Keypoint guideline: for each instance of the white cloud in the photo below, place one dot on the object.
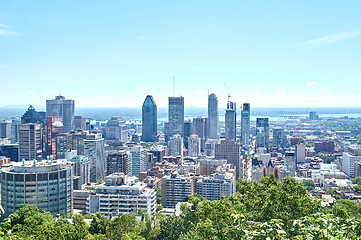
(311, 83)
(8, 33)
(50, 91)
(31, 92)
(145, 88)
(141, 38)
(327, 40)
(277, 89)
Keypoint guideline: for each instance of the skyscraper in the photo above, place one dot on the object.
(29, 141)
(61, 107)
(137, 161)
(54, 126)
(175, 117)
(230, 151)
(245, 124)
(94, 150)
(230, 121)
(149, 120)
(213, 117)
(279, 137)
(262, 132)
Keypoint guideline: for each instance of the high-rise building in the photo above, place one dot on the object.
(279, 138)
(262, 132)
(94, 150)
(350, 157)
(61, 107)
(81, 171)
(137, 161)
(15, 131)
(31, 116)
(230, 151)
(30, 141)
(300, 153)
(187, 132)
(117, 161)
(199, 127)
(194, 146)
(116, 128)
(290, 162)
(119, 195)
(79, 123)
(54, 126)
(230, 121)
(175, 189)
(5, 130)
(175, 146)
(46, 184)
(313, 115)
(245, 125)
(11, 151)
(149, 120)
(175, 117)
(213, 117)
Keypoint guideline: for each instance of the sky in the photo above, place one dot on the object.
(113, 53)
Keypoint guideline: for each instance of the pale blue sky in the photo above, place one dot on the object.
(113, 53)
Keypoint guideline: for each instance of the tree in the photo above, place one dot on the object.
(119, 227)
(99, 224)
(309, 184)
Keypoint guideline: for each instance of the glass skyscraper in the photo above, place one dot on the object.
(61, 107)
(149, 120)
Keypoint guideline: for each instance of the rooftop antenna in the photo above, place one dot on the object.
(173, 86)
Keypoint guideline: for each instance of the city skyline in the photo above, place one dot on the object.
(273, 54)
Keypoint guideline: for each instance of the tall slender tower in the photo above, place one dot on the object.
(230, 121)
(61, 107)
(175, 117)
(213, 117)
(245, 124)
(149, 120)
(262, 133)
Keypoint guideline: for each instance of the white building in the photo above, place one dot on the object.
(301, 153)
(175, 146)
(120, 195)
(348, 163)
(194, 146)
(94, 150)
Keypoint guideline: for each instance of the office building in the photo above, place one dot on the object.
(94, 150)
(54, 127)
(175, 146)
(213, 117)
(230, 151)
(262, 133)
(325, 147)
(245, 125)
(313, 115)
(279, 138)
(70, 141)
(230, 121)
(300, 153)
(81, 170)
(137, 161)
(79, 123)
(15, 131)
(149, 120)
(32, 116)
(175, 117)
(11, 151)
(46, 184)
(187, 132)
(61, 107)
(119, 195)
(30, 141)
(116, 128)
(194, 146)
(176, 188)
(117, 161)
(5, 130)
(290, 162)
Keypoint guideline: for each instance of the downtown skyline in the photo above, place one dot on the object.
(271, 54)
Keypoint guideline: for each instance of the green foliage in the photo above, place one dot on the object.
(268, 209)
(158, 192)
(309, 184)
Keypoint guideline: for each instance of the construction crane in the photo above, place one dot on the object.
(228, 93)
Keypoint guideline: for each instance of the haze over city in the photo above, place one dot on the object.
(269, 53)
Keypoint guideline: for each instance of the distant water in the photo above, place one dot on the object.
(131, 114)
